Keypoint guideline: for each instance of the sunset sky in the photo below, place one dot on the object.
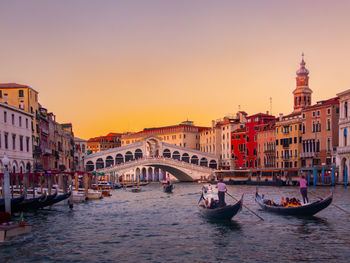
(116, 66)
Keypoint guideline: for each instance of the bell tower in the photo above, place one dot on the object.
(302, 93)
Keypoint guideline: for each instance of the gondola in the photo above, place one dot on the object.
(222, 213)
(14, 203)
(59, 198)
(304, 210)
(47, 201)
(168, 188)
(29, 204)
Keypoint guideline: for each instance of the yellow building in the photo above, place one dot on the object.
(25, 98)
(288, 131)
(185, 135)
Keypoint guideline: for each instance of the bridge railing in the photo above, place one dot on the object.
(162, 158)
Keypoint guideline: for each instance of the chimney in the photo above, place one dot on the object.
(281, 115)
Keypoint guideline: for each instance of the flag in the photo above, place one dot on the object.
(21, 219)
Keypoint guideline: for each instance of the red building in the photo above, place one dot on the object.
(251, 136)
(238, 148)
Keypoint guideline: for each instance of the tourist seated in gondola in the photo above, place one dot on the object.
(213, 204)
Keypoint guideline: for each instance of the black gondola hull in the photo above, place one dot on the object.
(168, 188)
(305, 210)
(222, 213)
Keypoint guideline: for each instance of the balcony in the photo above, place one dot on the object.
(343, 150)
(270, 152)
(307, 155)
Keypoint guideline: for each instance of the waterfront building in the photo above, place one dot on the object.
(15, 138)
(61, 143)
(43, 151)
(266, 154)
(103, 143)
(238, 148)
(252, 127)
(217, 139)
(185, 134)
(320, 133)
(343, 150)
(25, 98)
(288, 132)
(80, 149)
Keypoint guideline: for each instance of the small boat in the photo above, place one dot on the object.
(221, 213)
(168, 188)
(303, 210)
(47, 200)
(135, 189)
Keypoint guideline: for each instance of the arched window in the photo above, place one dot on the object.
(194, 159)
(185, 158)
(99, 163)
(166, 153)
(345, 137)
(119, 159)
(138, 154)
(176, 155)
(109, 161)
(204, 162)
(90, 166)
(346, 109)
(213, 164)
(128, 156)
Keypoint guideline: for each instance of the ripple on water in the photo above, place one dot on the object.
(157, 227)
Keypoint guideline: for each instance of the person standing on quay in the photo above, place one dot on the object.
(222, 189)
(303, 189)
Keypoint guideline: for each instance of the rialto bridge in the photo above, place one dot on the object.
(150, 159)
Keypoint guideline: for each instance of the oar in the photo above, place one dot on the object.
(246, 207)
(331, 203)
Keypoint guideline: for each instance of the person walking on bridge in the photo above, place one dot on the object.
(222, 189)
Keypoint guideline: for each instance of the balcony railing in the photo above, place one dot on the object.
(307, 155)
(344, 149)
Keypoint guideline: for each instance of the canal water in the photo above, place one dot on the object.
(152, 226)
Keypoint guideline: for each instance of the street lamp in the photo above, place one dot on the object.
(6, 162)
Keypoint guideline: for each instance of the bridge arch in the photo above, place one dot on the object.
(176, 155)
(129, 156)
(138, 154)
(109, 161)
(185, 157)
(213, 164)
(204, 162)
(99, 163)
(194, 159)
(167, 153)
(119, 158)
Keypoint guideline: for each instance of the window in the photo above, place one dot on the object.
(295, 140)
(328, 124)
(13, 119)
(313, 114)
(14, 141)
(318, 113)
(26, 123)
(27, 144)
(0, 93)
(303, 115)
(21, 143)
(5, 116)
(346, 109)
(20, 93)
(20, 121)
(328, 111)
(6, 140)
(328, 144)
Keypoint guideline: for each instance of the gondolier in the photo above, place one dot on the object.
(303, 189)
(222, 189)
